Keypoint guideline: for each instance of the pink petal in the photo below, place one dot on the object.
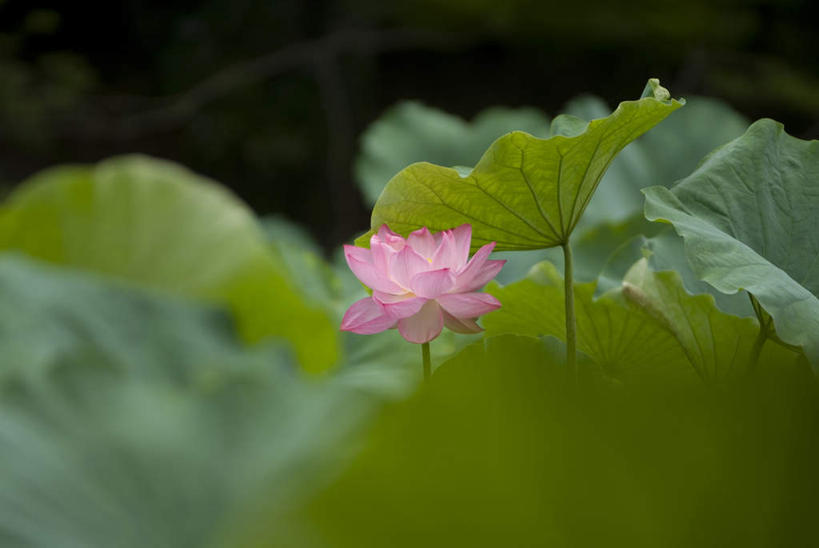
(432, 283)
(423, 326)
(461, 325)
(382, 255)
(423, 242)
(399, 306)
(468, 305)
(406, 264)
(462, 237)
(360, 254)
(390, 238)
(487, 272)
(478, 270)
(366, 317)
(359, 261)
(445, 256)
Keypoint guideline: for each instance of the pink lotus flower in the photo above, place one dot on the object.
(421, 284)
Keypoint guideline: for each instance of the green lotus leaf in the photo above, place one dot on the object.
(627, 343)
(748, 216)
(525, 192)
(717, 344)
(411, 132)
(156, 223)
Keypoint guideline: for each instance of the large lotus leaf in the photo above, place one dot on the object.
(626, 342)
(156, 223)
(526, 192)
(749, 219)
(717, 344)
(499, 452)
(411, 132)
(130, 417)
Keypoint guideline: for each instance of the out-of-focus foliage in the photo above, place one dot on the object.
(501, 451)
(158, 224)
(129, 417)
(749, 218)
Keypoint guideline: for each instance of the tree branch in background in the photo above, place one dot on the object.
(174, 111)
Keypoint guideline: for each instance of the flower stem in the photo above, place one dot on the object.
(571, 324)
(427, 363)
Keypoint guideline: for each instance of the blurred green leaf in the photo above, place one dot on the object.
(499, 451)
(156, 223)
(133, 418)
(748, 218)
(53, 318)
(525, 193)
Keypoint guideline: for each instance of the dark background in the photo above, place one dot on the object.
(269, 97)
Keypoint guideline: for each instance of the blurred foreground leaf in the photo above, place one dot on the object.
(131, 418)
(499, 451)
(156, 223)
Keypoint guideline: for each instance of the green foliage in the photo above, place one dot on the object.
(665, 251)
(133, 411)
(716, 344)
(500, 451)
(133, 418)
(748, 217)
(525, 193)
(157, 224)
(671, 150)
(626, 343)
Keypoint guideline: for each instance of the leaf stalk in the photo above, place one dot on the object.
(571, 323)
